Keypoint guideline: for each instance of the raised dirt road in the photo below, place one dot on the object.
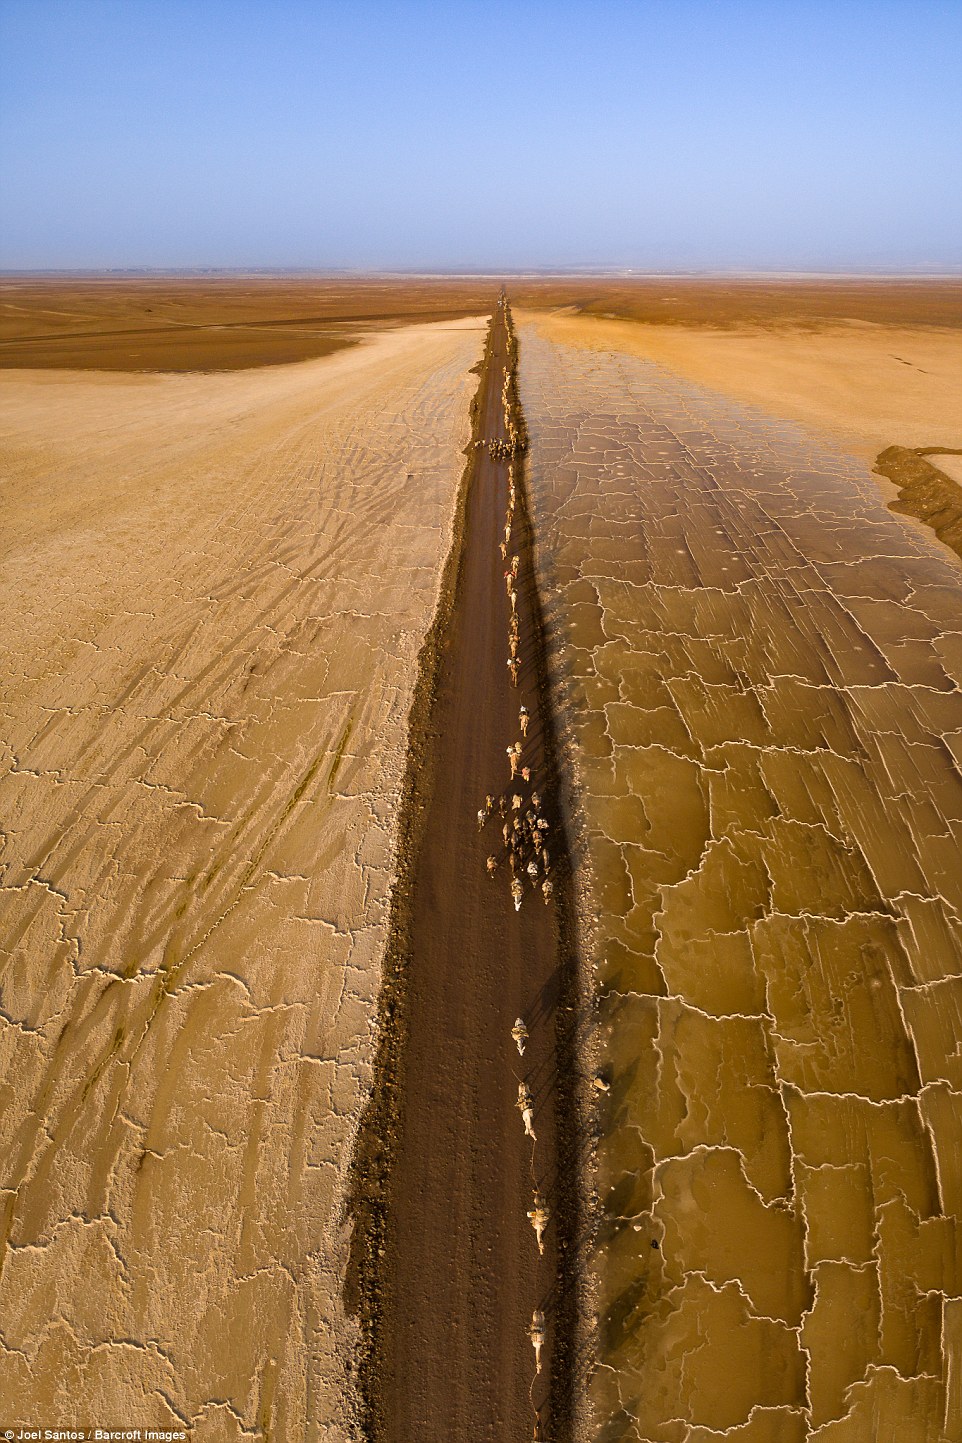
(461, 1273)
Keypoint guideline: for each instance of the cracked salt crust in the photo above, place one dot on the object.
(757, 669)
(216, 590)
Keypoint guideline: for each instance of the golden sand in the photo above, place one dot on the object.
(215, 591)
(867, 385)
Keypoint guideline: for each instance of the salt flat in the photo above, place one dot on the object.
(215, 589)
(759, 673)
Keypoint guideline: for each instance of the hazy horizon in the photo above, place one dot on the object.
(726, 138)
(919, 273)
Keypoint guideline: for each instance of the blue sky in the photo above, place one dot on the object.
(673, 135)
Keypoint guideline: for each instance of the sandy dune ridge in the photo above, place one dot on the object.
(760, 669)
(216, 590)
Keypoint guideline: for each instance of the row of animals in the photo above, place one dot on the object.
(539, 1214)
(523, 832)
(524, 829)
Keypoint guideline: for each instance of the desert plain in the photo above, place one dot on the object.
(215, 588)
(227, 513)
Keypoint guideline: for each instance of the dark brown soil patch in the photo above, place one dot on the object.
(768, 304)
(925, 492)
(209, 324)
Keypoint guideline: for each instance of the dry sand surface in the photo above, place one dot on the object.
(869, 385)
(758, 668)
(773, 302)
(951, 465)
(215, 589)
(216, 323)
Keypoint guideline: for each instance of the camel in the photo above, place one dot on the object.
(515, 563)
(540, 1216)
(513, 761)
(481, 819)
(516, 894)
(525, 1105)
(492, 865)
(537, 1335)
(503, 548)
(546, 890)
(514, 666)
(513, 598)
(524, 719)
(520, 1034)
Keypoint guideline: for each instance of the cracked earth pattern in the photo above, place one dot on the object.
(759, 672)
(216, 590)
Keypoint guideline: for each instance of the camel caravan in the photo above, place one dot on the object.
(524, 828)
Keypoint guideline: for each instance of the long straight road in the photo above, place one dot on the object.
(461, 1274)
